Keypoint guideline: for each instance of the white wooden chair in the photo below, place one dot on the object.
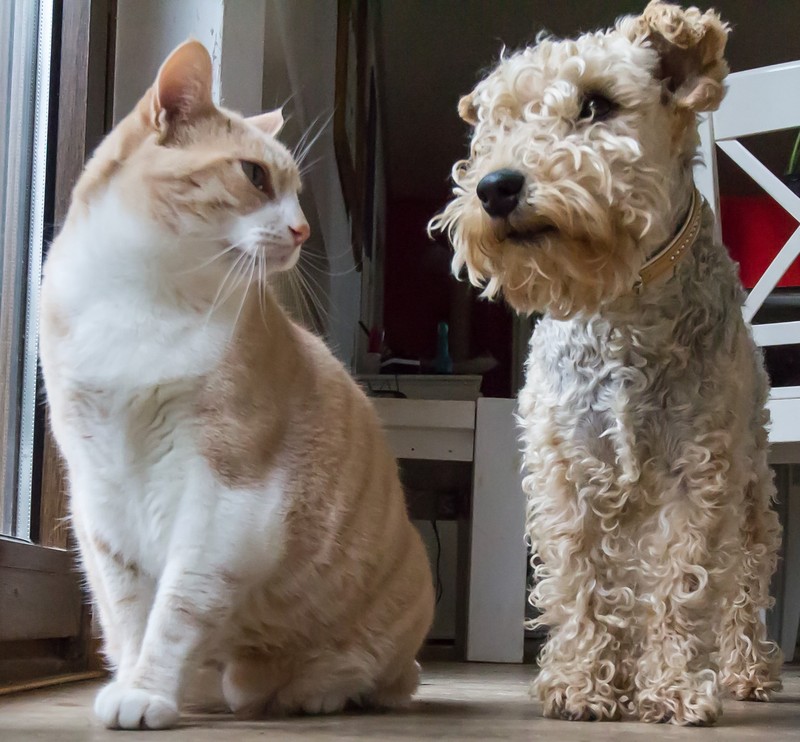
(759, 101)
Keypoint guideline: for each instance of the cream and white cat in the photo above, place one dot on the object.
(232, 493)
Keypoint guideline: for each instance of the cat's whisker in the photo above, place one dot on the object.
(306, 169)
(300, 142)
(210, 261)
(336, 256)
(311, 272)
(248, 282)
(307, 147)
(286, 281)
(300, 299)
(216, 301)
(304, 136)
(286, 101)
(321, 265)
(262, 286)
(312, 312)
(310, 292)
(315, 290)
(319, 262)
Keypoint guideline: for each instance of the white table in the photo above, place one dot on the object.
(484, 433)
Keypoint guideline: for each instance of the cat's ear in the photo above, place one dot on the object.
(183, 86)
(270, 122)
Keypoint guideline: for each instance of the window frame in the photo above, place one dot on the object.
(23, 173)
(45, 617)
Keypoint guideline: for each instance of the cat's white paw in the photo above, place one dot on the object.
(324, 703)
(119, 706)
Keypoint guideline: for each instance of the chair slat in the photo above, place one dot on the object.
(769, 280)
(759, 100)
(777, 333)
(773, 185)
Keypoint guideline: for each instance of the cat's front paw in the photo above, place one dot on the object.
(120, 706)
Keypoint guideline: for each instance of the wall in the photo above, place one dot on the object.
(148, 30)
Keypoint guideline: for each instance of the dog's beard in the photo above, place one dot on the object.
(565, 275)
(561, 275)
(542, 265)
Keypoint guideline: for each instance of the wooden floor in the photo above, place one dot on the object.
(455, 702)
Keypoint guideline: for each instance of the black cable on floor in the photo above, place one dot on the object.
(439, 586)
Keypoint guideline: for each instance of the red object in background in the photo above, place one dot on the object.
(375, 341)
(417, 293)
(755, 228)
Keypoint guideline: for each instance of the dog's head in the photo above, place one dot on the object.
(580, 159)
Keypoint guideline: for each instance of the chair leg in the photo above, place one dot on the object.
(790, 617)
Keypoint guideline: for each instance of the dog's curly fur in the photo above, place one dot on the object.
(643, 415)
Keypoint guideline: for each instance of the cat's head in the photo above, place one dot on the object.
(200, 174)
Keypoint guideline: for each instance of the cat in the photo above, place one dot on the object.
(234, 499)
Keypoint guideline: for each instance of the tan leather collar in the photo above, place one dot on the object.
(661, 266)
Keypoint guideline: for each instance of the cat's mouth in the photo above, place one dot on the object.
(280, 254)
(267, 251)
(279, 258)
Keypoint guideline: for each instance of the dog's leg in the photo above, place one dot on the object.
(685, 561)
(749, 663)
(579, 663)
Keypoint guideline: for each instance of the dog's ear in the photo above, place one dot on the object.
(691, 47)
(467, 109)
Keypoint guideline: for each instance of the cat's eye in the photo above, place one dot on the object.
(257, 175)
(596, 107)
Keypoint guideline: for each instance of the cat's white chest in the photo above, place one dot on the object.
(127, 320)
(133, 463)
(116, 341)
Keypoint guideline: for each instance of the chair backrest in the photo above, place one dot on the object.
(758, 101)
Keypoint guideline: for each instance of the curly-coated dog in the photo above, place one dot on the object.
(643, 414)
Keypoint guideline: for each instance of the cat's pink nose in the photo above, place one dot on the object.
(300, 233)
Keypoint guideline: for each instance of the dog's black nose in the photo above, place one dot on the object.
(499, 191)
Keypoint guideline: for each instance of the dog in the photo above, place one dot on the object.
(649, 496)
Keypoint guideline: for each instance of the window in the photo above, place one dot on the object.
(25, 46)
(55, 67)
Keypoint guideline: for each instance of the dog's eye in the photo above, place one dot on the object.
(596, 107)
(257, 175)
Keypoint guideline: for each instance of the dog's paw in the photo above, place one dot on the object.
(755, 690)
(682, 709)
(578, 714)
(574, 706)
(603, 711)
(120, 706)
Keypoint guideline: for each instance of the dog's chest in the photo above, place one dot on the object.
(598, 390)
(580, 366)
